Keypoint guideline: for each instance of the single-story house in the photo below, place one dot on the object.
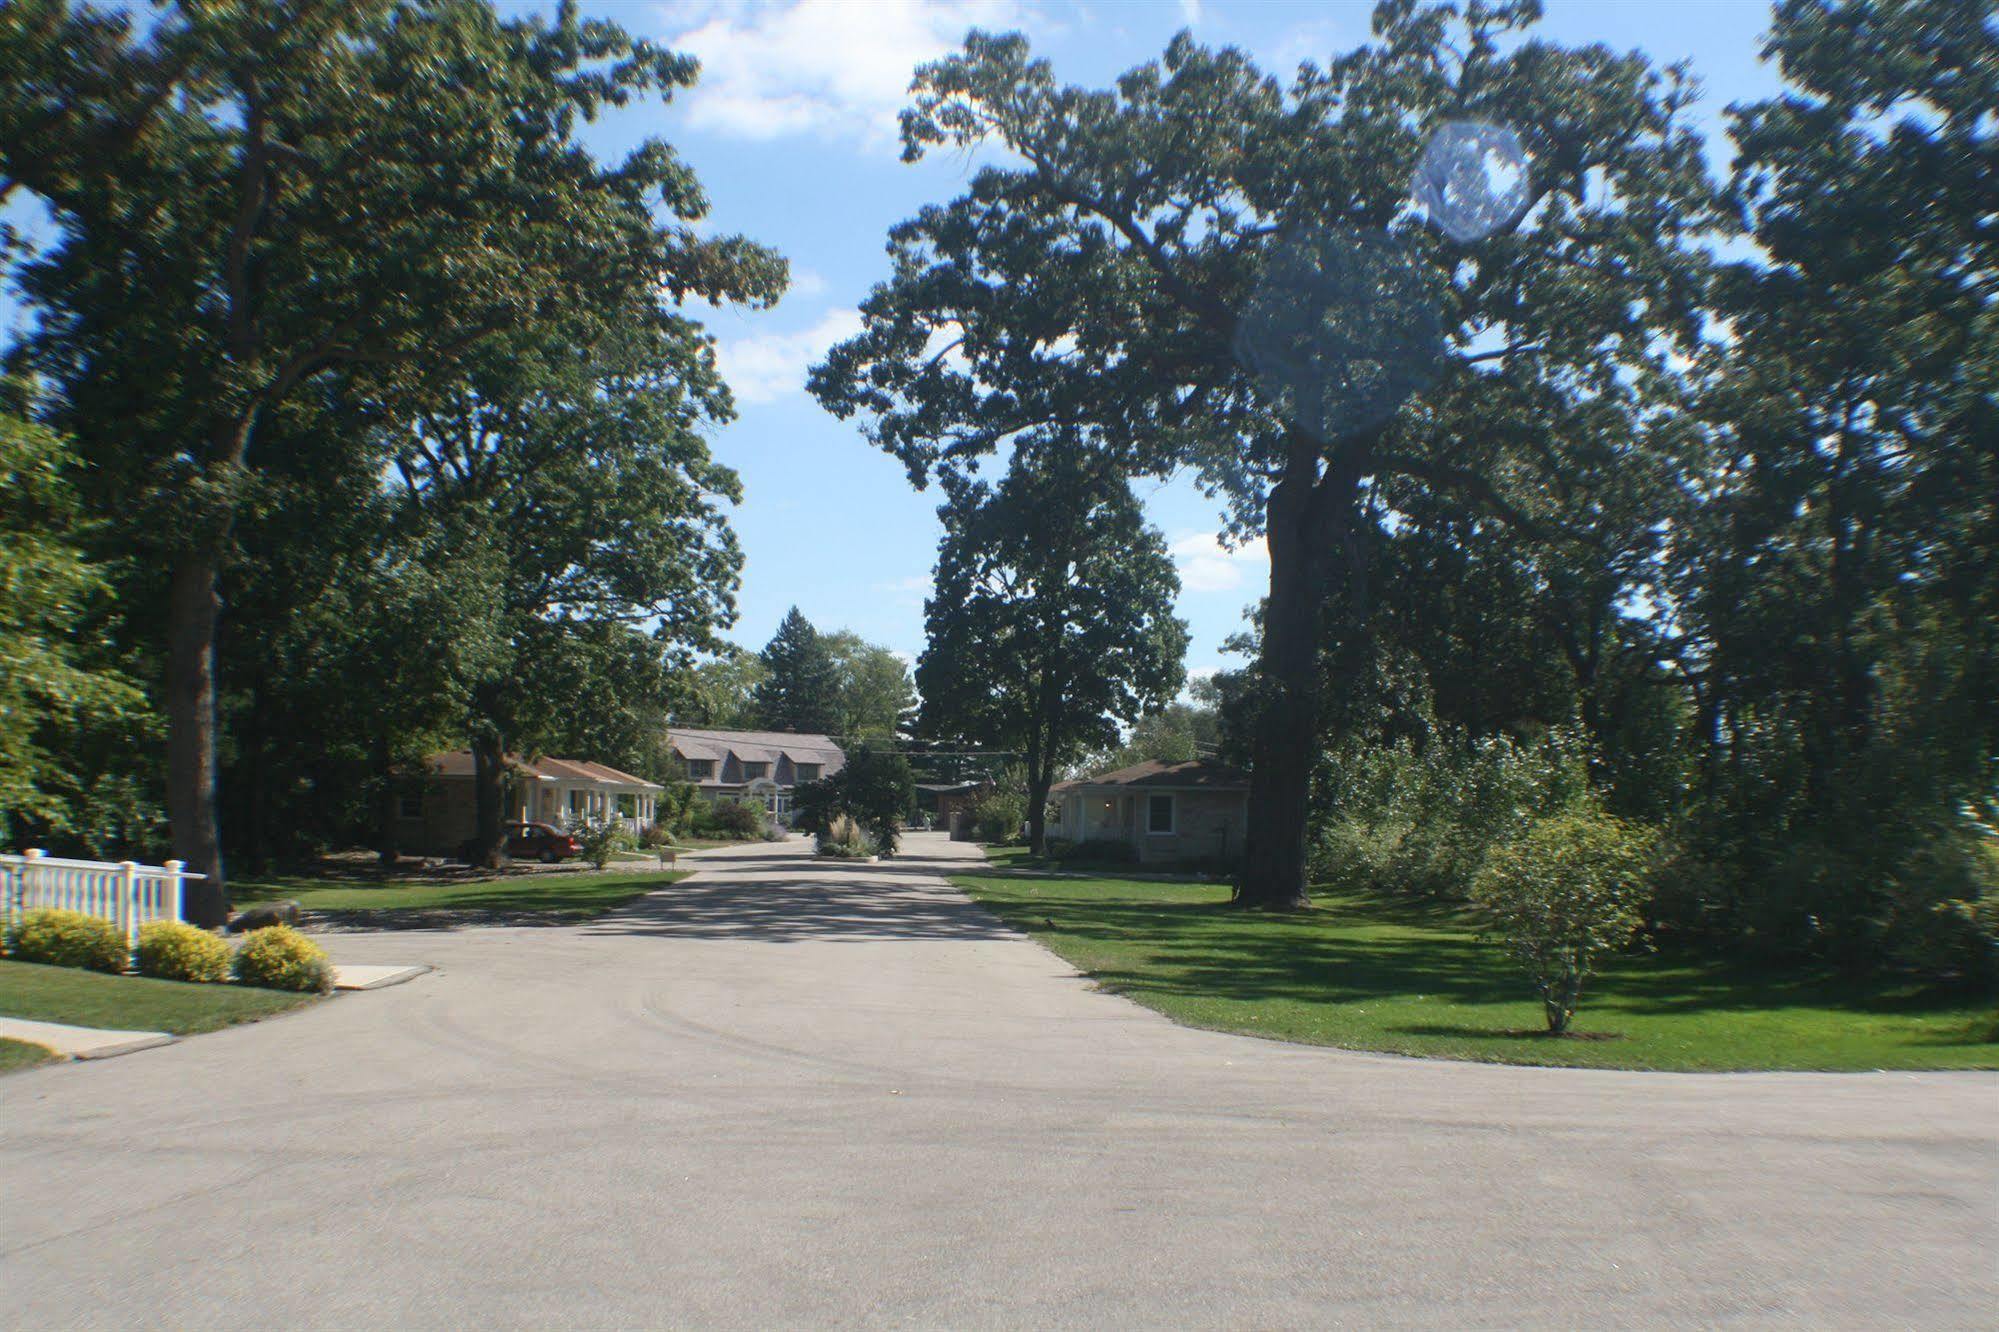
(441, 813)
(759, 765)
(948, 803)
(1196, 810)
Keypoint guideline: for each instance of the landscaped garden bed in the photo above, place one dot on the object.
(1409, 978)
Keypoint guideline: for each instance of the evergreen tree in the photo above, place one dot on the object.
(800, 689)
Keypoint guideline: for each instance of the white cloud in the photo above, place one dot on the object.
(1206, 565)
(766, 366)
(832, 68)
(1190, 12)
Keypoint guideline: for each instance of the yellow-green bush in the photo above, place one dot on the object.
(280, 958)
(68, 939)
(173, 950)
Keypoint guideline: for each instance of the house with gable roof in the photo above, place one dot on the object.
(755, 765)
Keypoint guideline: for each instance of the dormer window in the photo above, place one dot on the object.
(700, 770)
(753, 771)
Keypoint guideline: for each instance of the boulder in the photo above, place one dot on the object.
(263, 917)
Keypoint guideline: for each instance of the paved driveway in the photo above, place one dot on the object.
(790, 1094)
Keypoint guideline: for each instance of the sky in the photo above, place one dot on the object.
(792, 133)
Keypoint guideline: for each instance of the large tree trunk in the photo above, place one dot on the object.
(1307, 521)
(192, 608)
(489, 779)
(387, 848)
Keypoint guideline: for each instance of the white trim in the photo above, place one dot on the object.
(1172, 800)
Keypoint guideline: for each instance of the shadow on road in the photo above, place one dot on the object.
(780, 898)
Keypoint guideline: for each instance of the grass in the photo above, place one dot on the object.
(1413, 979)
(133, 1003)
(558, 896)
(22, 1054)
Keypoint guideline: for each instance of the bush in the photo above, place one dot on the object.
(655, 836)
(1096, 851)
(601, 840)
(1421, 820)
(1567, 892)
(730, 818)
(175, 951)
(997, 817)
(68, 939)
(280, 958)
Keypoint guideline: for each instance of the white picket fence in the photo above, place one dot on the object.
(128, 894)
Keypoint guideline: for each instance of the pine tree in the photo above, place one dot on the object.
(800, 690)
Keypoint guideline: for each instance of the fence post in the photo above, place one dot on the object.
(128, 902)
(173, 868)
(19, 906)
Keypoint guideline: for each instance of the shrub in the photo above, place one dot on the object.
(280, 958)
(997, 816)
(68, 939)
(1096, 850)
(601, 840)
(173, 950)
(730, 818)
(655, 836)
(1420, 820)
(1567, 892)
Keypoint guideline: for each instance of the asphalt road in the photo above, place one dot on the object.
(788, 1094)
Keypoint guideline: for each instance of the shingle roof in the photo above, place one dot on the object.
(1200, 774)
(757, 746)
(458, 763)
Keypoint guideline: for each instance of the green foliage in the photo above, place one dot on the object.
(252, 213)
(1421, 819)
(728, 818)
(720, 693)
(877, 699)
(1093, 851)
(875, 791)
(280, 958)
(176, 951)
(997, 816)
(68, 939)
(1052, 621)
(1563, 895)
(52, 684)
(800, 689)
(602, 840)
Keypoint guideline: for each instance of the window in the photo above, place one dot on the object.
(1159, 814)
(409, 805)
(700, 770)
(808, 772)
(752, 771)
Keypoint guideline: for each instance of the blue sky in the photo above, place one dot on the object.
(792, 131)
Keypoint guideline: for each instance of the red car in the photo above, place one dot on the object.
(539, 841)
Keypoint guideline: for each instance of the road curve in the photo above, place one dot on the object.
(791, 1093)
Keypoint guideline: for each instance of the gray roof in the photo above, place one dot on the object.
(757, 746)
(1156, 774)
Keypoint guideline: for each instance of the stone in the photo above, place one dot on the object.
(263, 917)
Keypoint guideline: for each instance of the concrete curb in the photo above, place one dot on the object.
(374, 978)
(81, 1042)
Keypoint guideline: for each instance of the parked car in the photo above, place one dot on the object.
(534, 841)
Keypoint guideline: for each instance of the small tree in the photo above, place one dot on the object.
(876, 789)
(1566, 892)
(602, 839)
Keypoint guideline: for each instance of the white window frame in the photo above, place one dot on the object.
(1172, 814)
(404, 803)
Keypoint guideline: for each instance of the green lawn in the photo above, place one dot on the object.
(1409, 979)
(558, 896)
(133, 1003)
(21, 1054)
